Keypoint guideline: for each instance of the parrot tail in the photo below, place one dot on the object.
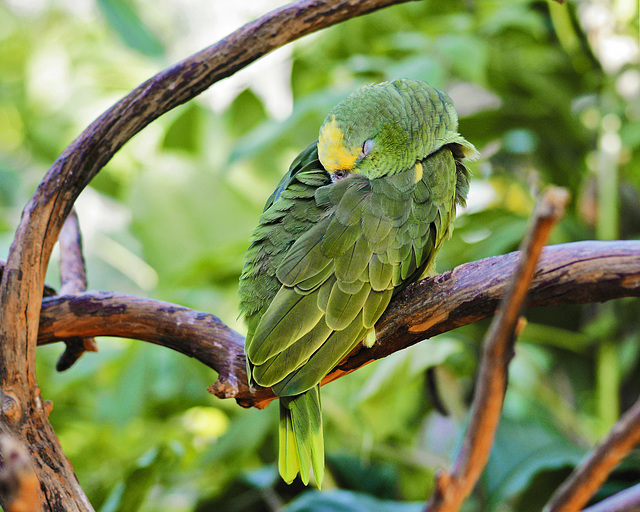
(301, 438)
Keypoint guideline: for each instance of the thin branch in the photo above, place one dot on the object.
(73, 276)
(574, 273)
(623, 501)
(491, 382)
(589, 476)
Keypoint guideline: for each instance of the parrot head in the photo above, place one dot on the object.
(383, 129)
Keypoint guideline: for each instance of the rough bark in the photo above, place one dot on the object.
(574, 273)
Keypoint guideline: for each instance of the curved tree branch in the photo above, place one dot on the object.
(574, 273)
(23, 412)
(80, 162)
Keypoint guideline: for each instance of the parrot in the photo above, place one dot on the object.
(360, 214)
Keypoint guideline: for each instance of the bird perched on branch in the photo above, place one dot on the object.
(361, 213)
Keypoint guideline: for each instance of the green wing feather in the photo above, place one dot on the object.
(283, 221)
(325, 260)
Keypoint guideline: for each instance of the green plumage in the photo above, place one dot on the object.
(360, 214)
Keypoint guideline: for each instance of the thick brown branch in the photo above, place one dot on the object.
(491, 382)
(193, 333)
(573, 273)
(589, 476)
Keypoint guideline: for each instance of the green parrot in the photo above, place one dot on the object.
(360, 214)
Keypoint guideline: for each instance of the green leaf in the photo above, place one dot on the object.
(134, 33)
(269, 132)
(347, 501)
(409, 363)
(521, 450)
(185, 130)
(130, 495)
(515, 16)
(245, 113)
(193, 225)
(467, 53)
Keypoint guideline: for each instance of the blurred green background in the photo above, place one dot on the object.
(548, 93)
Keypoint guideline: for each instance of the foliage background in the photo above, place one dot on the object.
(549, 93)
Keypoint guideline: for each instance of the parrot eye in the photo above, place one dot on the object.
(366, 148)
(338, 175)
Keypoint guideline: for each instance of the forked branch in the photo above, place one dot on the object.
(73, 277)
(570, 273)
(24, 414)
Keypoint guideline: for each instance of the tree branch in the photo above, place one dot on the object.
(589, 476)
(623, 501)
(574, 273)
(491, 382)
(51, 203)
(73, 276)
(43, 217)
(193, 333)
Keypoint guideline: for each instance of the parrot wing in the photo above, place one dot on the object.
(289, 212)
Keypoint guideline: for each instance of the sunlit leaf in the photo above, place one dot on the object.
(132, 30)
(185, 131)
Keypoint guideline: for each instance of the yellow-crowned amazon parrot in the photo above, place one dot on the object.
(360, 214)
